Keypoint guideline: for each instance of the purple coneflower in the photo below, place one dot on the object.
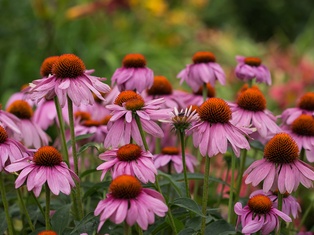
(250, 111)
(69, 79)
(249, 68)
(133, 75)
(289, 204)
(10, 149)
(31, 133)
(162, 88)
(129, 159)
(302, 131)
(259, 215)
(122, 125)
(305, 106)
(10, 122)
(214, 131)
(128, 201)
(280, 168)
(197, 97)
(172, 155)
(203, 70)
(45, 165)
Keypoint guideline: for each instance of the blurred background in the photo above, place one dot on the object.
(168, 33)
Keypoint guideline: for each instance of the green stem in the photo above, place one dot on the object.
(223, 186)
(38, 204)
(139, 125)
(302, 154)
(62, 130)
(47, 209)
(280, 196)
(204, 92)
(182, 139)
(139, 230)
(230, 205)
(79, 206)
(6, 206)
(250, 83)
(127, 229)
(240, 174)
(24, 209)
(305, 215)
(197, 182)
(205, 194)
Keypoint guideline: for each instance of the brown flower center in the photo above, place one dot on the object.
(129, 152)
(3, 135)
(125, 96)
(106, 119)
(47, 232)
(47, 156)
(304, 125)
(281, 149)
(21, 109)
(46, 66)
(170, 150)
(134, 104)
(307, 101)
(83, 116)
(203, 57)
(285, 195)
(125, 187)
(260, 204)
(134, 61)
(215, 110)
(210, 91)
(252, 99)
(90, 123)
(253, 61)
(161, 86)
(68, 66)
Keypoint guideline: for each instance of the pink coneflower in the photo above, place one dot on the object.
(249, 68)
(259, 215)
(162, 88)
(122, 125)
(302, 131)
(172, 155)
(280, 168)
(133, 75)
(69, 79)
(45, 165)
(289, 204)
(203, 70)
(250, 110)
(129, 202)
(10, 149)
(31, 134)
(10, 122)
(305, 106)
(129, 159)
(21, 95)
(214, 131)
(197, 97)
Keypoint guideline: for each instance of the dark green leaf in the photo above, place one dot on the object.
(96, 187)
(219, 227)
(257, 145)
(187, 231)
(87, 172)
(80, 137)
(189, 204)
(86, 225)
(175, 184)
(86, 146)
(60, 219)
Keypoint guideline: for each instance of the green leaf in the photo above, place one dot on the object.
(60, 219)
(3, 225)
(86, 146)
(99, 186)
(87, 172)
(187, 231)
(86, 225)
(80, 137)
(219, 227)
(198, 176)
(188, 204)
(257, 145)
(175, 184)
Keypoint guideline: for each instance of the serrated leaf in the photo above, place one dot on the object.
(219, 227)
(188, 204)
(60, 219)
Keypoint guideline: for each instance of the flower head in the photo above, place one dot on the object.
(122, 125)
(196, 98)
(259, 215)
(203, 70)
(280, 168)
(249, 68)
(250, 110)
(133, 75)
(45, 165)
(129, 159)
(214, 131)
(47, 232)
(46, 66)
(129, 201)
(69, 79)
(172, 155)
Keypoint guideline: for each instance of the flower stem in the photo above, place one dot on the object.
(62, 130)
(305, 215)
(38, 204)
(204, 92)
(127, 229)
(139, 125)
(79, 206)
(240, 174)
(205, 194)
(230, 205)
(6, 206)
(47, 209)
(20, 197)
(182, 139)
(280, 196)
